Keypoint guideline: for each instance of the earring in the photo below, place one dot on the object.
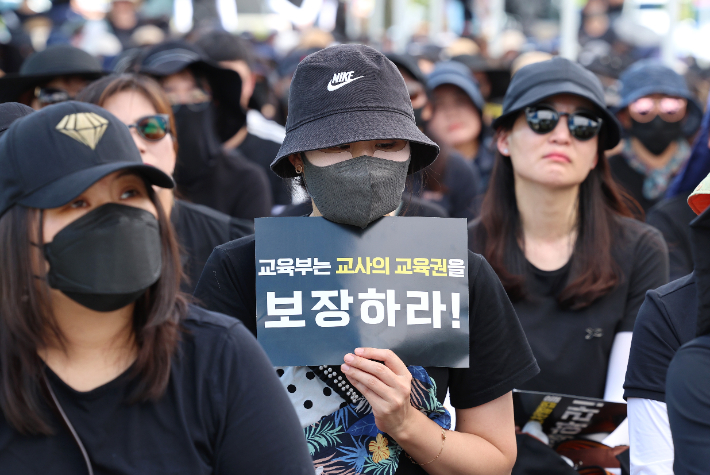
(505, 151)
(299, 169)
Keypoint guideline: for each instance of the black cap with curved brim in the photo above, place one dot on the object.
(10, 112)
(53, 155)
(349, 93)
(43, 66)
(538, 81)
(171, 57)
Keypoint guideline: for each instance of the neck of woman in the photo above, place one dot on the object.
(96, 346)
(549, 222)
(469, 150)
(650, 160)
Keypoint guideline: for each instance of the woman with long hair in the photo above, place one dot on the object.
(554, 228)
(104, 367)
(352, 138)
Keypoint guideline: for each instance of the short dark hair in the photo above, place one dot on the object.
(27, 323)
(222, 46)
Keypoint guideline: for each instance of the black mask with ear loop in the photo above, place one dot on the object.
(106, 259)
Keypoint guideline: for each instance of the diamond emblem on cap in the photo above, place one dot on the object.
(84, 127)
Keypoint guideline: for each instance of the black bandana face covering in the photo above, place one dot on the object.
(106, 259)
(356, 191)
(656, 135)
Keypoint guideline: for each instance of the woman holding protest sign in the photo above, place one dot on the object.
(352, 138)
(556, 231)
(104, 367)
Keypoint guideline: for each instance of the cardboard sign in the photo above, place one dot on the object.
(324, 289)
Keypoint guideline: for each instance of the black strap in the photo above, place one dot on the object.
(69, 425)
(336, 380)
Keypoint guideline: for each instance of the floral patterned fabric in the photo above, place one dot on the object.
(348, 442)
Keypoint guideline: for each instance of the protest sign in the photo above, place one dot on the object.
(324, 289)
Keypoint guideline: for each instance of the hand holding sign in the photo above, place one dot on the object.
(386, 386)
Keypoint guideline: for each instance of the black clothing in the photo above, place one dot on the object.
(666, 321)
(233, 186)
(572, 347)
(411, 206)
(500, 356)
(262, 152)
(672, 216)
(630, 180)
(199, 230)
(688, 402)
(223, 412)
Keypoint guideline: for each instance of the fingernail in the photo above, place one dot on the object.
(345, 368)
(349, 358)
(359, 351)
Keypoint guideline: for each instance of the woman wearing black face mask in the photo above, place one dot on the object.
(351, 136)
(658, 113)
(104, 367)
(205, 101)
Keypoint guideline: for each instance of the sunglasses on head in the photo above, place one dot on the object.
(49, 95)
(152, 127)
(583, 125)
(670, 109)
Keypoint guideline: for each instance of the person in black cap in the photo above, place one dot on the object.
(206, 104)
(139, 102)
(100, 354)
(54, 75)
(10, 112)
(259, 139)
(659, 114)
(557, 233)
(350, 116)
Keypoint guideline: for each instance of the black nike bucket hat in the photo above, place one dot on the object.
(51, 156)
(538, 81)
(349, 93)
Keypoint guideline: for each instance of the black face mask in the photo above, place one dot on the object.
(106, 259)
(198, 143)
(656, 135)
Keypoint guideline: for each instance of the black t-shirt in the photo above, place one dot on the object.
(630, 180)
(262, 152)
(666, 321)
(199, 230)
(224, 412)
(572, 347)
(232, 185)
(672, 216)
(688, 400)
(500, 357)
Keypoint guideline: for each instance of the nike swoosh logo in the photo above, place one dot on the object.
(333, 88)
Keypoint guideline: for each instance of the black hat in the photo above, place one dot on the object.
(51, 156)
(10, 112)
(456, 74)
(41, 67)
(349, 93)
(537, 81)
(409, 64)
(652, 77)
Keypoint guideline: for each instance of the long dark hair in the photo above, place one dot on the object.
(27, 323)
(593, 272)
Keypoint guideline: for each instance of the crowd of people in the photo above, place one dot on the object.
(127, 272)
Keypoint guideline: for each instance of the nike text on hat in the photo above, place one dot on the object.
(349, 93)
(51, 156)
(538, 81)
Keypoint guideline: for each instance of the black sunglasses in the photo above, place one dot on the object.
(582, 125)
(50, 95)
(152, 127)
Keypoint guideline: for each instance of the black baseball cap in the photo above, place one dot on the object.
(349, 93)
(10, 112)
(538, 81)
(41, 67)
(51, 156)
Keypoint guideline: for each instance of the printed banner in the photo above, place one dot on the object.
(324, 289)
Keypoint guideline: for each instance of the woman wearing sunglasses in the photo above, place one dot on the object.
(140, 103)
(104, 367)
(557, 233)
(659, 113)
